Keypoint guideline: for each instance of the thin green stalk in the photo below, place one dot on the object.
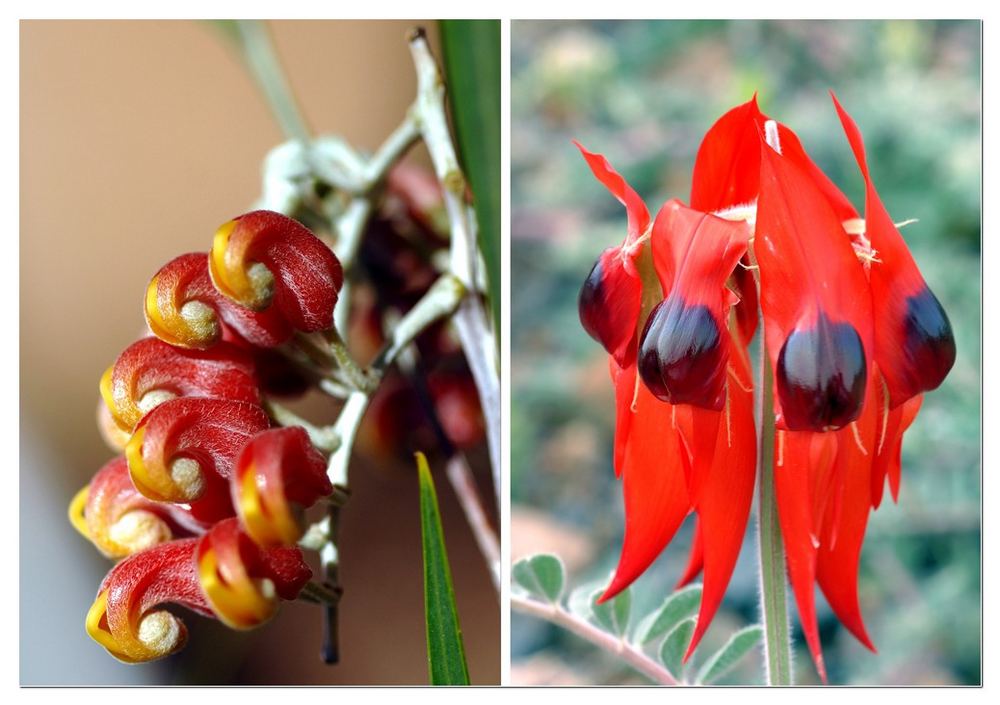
(773, 597)
(263, 62)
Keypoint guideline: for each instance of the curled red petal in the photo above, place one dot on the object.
(635, 208)
(914, 343)
(278, 474)
(183, 308)
(124, 619)
(263, 258)
(119, 521)
(656, 498)
(815, 300)
(624, 380)
(149, 372)
(684, 348)
(609, 304)
(185, 449)
(242, 582)
(724, 490)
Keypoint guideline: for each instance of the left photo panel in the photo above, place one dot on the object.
(259, 343)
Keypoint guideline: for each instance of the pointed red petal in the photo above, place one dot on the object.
(656, 499)
(696, 560)
(725, 495)
(844, 530)
(914, 343)
(800, 456)
(814, 296)
(623, 380)
(727, 167)
(638, 214)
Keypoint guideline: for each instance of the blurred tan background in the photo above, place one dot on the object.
(137, 140)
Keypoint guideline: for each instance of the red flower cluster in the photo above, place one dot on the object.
(205, 504)
(853, 336)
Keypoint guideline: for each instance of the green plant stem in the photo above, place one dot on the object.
(263, 62)
(773, 597)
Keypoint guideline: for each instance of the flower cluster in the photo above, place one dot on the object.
(853, 338)
(205, 505)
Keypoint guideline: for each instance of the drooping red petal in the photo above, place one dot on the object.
(800, 457)
(727, 167)
(844, 530)
(914, 343)
(263, 258)
(112, 514)
(747, 308)
(123, 618)
(724, 492)
(683, 353)
(815, 301)
(277, 474)
(609, 304)
(183, 308)
(635, 208)
(624, 381)
(696, 559)
(656, 498)
(150, 371)
(185, 449)
(243, 582)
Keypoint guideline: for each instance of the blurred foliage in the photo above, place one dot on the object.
(643, 94)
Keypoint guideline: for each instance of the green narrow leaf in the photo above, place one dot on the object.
(472, 68)
(677, 607)
(738, 646)
(613, 615)
(445, 652)
(542, 575)
(674, 646)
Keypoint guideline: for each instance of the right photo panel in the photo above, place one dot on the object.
(746, 353)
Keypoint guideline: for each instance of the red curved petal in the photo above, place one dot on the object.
(204, 436)
(800, 457)
(914, 343)
(724, 493)
(183, 308)
(638, 214)
(696, 559)
(844, 530)
(623, 380)
(305, 275)
(150, 365)
(656, 499)
(815, 300)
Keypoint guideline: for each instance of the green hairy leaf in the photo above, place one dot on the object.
(542, 576)
(738, 646)
(674, 646)
(612, 616)
(445, 651)
(677, 607)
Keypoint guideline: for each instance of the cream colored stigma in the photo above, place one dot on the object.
(150, 400)
(262, 283)
(186, 474)
(161, 632)
(138, 530)
(201, 319)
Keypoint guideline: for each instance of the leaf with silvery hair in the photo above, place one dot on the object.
(738, 646)
(677, 607)
(674, 646)
(542, 576)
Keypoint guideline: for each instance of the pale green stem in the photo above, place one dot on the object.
(263, 63)
(773, 598)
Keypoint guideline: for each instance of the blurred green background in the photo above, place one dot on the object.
(643, 94)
